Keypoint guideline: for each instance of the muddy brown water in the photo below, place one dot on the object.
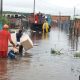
(39, 64)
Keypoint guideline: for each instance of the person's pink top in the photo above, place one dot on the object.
(4, 37)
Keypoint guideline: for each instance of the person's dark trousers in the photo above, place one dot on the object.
(20, 49)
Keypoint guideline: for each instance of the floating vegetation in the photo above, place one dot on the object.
(56, 52)
(77, 54)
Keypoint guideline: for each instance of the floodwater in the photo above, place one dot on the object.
(39, 64)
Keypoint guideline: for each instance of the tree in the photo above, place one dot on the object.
(4, 20)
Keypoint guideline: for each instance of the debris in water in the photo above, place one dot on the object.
(55, 52)
(77, 54)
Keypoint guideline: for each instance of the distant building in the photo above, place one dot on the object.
(9, 15)
(14, 14)
(60, 20)
(77, 23)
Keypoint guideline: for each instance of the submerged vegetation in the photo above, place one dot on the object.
(77, 54)
(56, 52)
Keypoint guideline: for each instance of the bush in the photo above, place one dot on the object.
(4, 20)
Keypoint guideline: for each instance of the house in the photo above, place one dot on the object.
(56, 19)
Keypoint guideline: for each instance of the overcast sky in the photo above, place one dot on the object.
(65, 7)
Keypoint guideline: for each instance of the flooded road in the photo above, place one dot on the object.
(39, 64)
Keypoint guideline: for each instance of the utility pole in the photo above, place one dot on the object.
(74, 20)
(73, 31)
(59, 24)
(34, 7)
(74, 12)
(59, 19)
(1, 7)
(34, 10)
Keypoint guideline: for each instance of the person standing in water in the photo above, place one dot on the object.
(18, 36)
(45, 26)
(5, 36)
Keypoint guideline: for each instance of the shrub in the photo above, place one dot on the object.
(4, 20)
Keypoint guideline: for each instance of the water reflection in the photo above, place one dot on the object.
(73, 34)
(45, 36)
(3, 69)
(74, 38)
(35, 36)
